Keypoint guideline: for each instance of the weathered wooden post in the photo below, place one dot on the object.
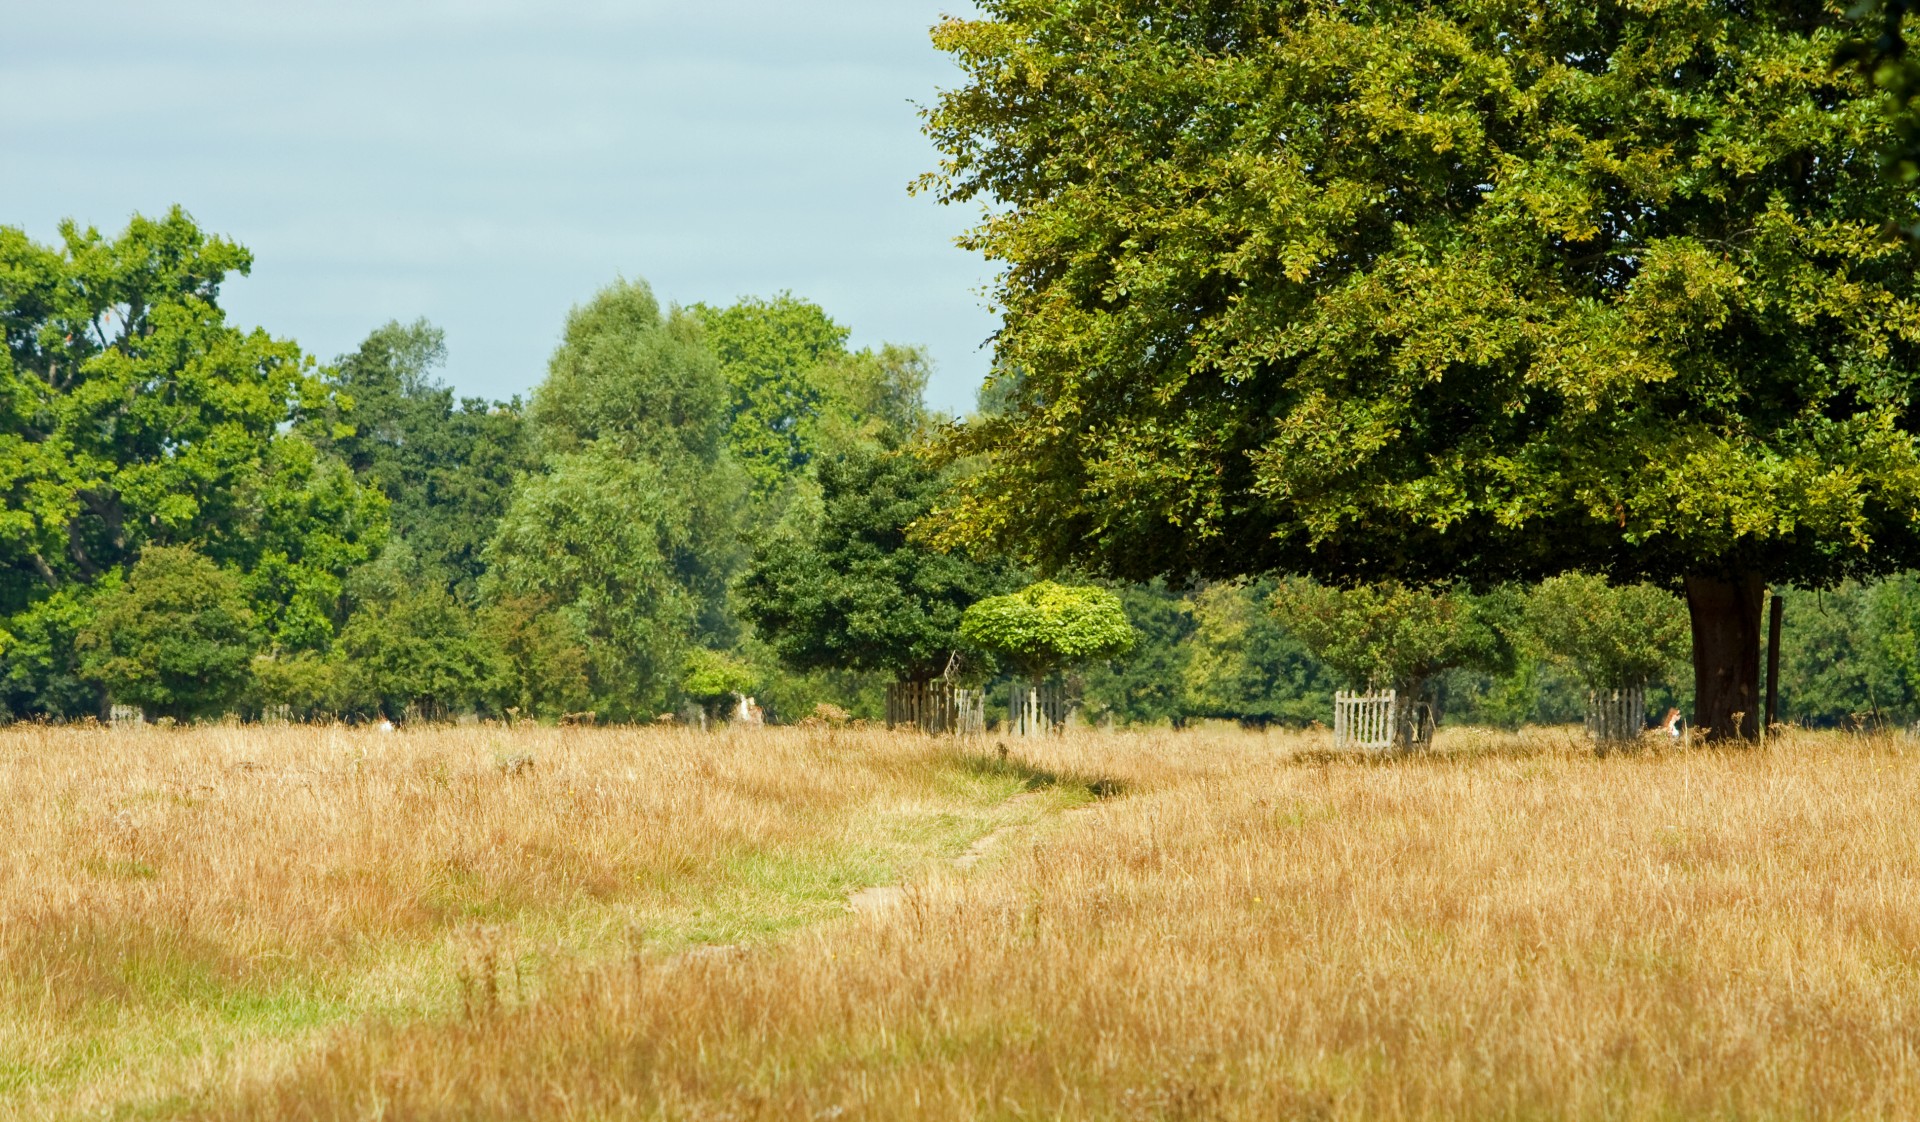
(1776, 617)
(971, 715)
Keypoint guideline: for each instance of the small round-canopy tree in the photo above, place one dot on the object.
(1440, 292)
(715, 680)
(1046, 628)
(1610, 637)
(1389, 636)
(174, 639)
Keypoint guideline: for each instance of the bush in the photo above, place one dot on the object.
(416, 651)
(310, 686)
(541, 668)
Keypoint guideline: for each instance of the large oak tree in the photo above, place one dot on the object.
(1488, 289)
(133, 415)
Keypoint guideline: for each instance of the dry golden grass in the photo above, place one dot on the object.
(183, 910)
(1253, 928)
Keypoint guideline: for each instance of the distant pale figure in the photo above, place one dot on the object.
(384, 725)
(747, 712)
(1672, 724)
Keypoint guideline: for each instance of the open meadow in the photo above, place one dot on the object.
(473, 922)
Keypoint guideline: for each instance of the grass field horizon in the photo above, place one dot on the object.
(240, 922)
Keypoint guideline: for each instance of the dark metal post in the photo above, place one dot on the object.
(1774, 620)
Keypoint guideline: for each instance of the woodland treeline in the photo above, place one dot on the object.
(695, 504)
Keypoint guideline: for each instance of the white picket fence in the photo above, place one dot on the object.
(1616, 716)
(1036, 708)
(1365, 721)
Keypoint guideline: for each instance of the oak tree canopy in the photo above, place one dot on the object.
(1475, 290)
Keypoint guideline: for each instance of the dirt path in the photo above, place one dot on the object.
(885, 897)
(882, 898)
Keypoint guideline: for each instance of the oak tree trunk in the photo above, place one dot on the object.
(1726, 654)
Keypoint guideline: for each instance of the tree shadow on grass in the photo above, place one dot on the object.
(1461, 747)
(999, 763)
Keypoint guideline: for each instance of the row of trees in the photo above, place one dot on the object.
(695, 503)
(1275, 651)
(196, 518)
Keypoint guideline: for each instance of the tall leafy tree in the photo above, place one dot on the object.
(306, 524)
(631, 525)
(769, 351)
(601, 540)
(847, 586)
(133, 415)
(1398, 290)
(447, 467)
(796, 393)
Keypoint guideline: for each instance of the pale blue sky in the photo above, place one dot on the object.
(489, 163)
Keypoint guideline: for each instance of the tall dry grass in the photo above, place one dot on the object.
(183, 912)
(1510, 928)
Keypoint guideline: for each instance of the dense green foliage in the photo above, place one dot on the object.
(845, 585)
(410, 648)
(175, 638)
(198, 521)
(1048, 627)
(1609, 637)
(1246, 666)
(132, 415)
(631, 525)
(1851, 655)
(1397, 291)
(1390, 636)
(447, 468)
(545, 561)
(796, 392)
(1390, 290)
(1148, 685)
(1879, 47)
(770, 351)
(1215, 653)
(542, 669)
